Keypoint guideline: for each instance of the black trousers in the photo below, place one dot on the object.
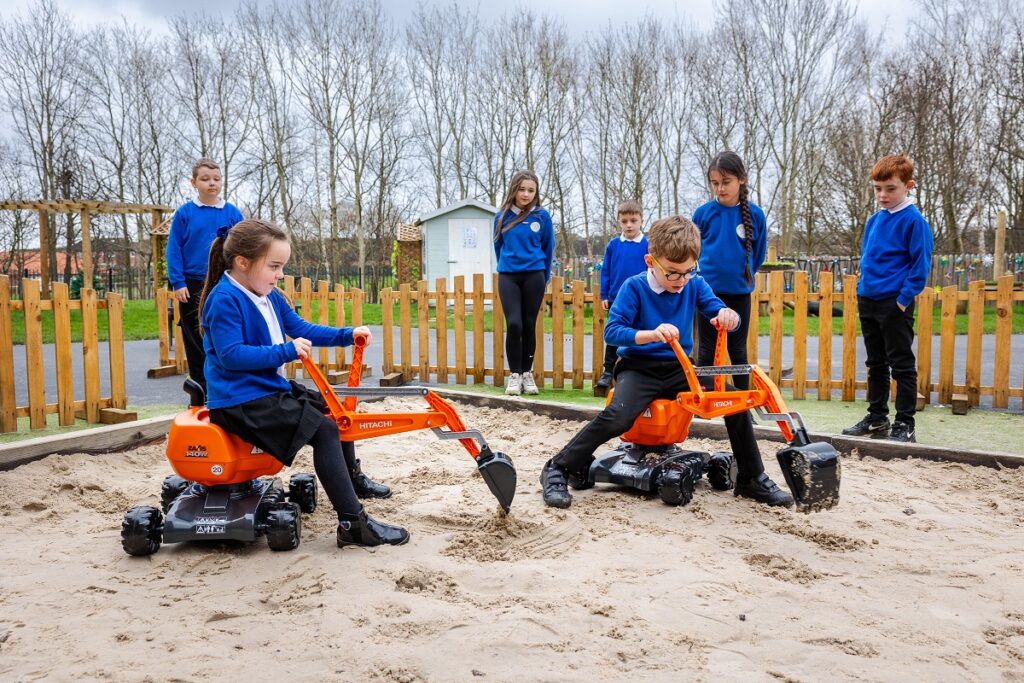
(188, 321)
(736, 341)
(610, 357)
(521, 295)
(888, 339)
(637, 383)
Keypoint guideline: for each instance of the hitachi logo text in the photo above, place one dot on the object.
(377, 424)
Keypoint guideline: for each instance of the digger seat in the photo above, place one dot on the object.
(665, 422)
(206, 454)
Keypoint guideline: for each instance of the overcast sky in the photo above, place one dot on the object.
(579, 15)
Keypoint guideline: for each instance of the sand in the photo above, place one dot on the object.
(916, 575)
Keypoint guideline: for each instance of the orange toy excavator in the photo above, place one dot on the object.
(649, 459)
(217, 492)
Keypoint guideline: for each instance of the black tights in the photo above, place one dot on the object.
(736, 341)
(332, 460)
(521, 295)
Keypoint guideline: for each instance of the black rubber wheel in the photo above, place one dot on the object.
(676, 485)
(302, 490)
(171, 489)
(142, 530)
(284, 527)
(721, 469)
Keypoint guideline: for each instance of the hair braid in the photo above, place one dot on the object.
(748, 230)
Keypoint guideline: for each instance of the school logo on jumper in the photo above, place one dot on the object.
(535, 226)
(741, 232)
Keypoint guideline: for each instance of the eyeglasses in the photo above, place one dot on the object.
(674, 276)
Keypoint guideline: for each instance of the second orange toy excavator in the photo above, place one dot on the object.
(495, 467)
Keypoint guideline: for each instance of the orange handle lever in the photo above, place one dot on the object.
(355, 368)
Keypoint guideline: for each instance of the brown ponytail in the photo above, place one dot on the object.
(748, 230)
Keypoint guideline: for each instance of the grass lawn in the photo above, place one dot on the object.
(140, 321)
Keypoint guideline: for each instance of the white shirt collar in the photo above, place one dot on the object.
(639, 238)
(219, 205)
(652, 282)
(515, 209)
(907, 201)
(253, 297)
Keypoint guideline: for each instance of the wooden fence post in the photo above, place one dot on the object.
(91, 355)
(775, 308)
(387, 322)
(538, 356)
(849, 337)
(340, 359)
(825, 287)
(925, 310)
(115, 350)
(62, 346)
(478, 328)
(323, 314)
(578, 309)
(8, 402)
(975, 330)
(405, 329)
(460, 329)
(1004, 318)
(947, 343)
(799, 334)
(161, 326)
(441, 324)
(557, 332)
(423, 327)
(34, 354)
(597, 337)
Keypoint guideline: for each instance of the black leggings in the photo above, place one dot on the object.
(736, 341)
(188, 321)
(332, 460)
(521, 295)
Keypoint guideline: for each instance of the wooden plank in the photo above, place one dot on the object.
(960, 403)
(91, 355)
(478, 328)
(538, 355)
(180, 361)
(975, 330)
(340, 360)
(925, 308)
(578, 295)
(86, 230)
(557, 332)
(775, 308)
(498, 335)
(460, 329)
(62, 353)
(8, 401)
(34, 354)
(163, 333)
(115, 349)
(799, 334)
(825, 285)
(405, 328)
(441, 325)
(947, 343)
(1004, 318)
(849, 337)
(162, 371)
(387, 323)
(111, 416)
(423, 328)
(392, 379)
(44, 254)
(597, 339)
(323, 317)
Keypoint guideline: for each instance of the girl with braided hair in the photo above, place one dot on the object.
(734, 234)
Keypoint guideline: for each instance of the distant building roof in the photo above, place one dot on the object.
(457, 205)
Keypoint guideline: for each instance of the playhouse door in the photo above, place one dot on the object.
(470, 250)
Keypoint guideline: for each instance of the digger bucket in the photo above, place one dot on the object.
(812, 473)
(500, 475)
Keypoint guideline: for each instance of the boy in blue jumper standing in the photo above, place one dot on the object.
(651, 309)
(623, 258)
(896, 256)
(193, 230)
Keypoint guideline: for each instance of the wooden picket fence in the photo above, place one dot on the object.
(566, 311)
(172, 359)
(93, 408)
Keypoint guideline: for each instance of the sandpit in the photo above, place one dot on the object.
(916, 575)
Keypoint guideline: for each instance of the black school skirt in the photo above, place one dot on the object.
(279, 424)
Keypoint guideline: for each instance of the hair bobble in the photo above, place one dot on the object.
(222, 231)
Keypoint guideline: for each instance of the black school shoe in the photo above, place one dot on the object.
(763, 490)
(604, 381)
(902, 432)
(361, 529)
(873, 427)
(556, 489)
(366, 487)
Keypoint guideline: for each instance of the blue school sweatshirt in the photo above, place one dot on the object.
(622, 260)
(723, 246)
(193, 230)
(639, 306)
(896, 255)
(530, 245)
(241, 363)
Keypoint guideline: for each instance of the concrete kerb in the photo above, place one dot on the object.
(129, 435)
(708, 429)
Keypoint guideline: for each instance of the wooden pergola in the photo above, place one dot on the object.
(85, 210)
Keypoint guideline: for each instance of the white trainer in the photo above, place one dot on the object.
(529, 386)
(515, 385)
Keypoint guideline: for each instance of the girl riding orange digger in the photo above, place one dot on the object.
(244, 321)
